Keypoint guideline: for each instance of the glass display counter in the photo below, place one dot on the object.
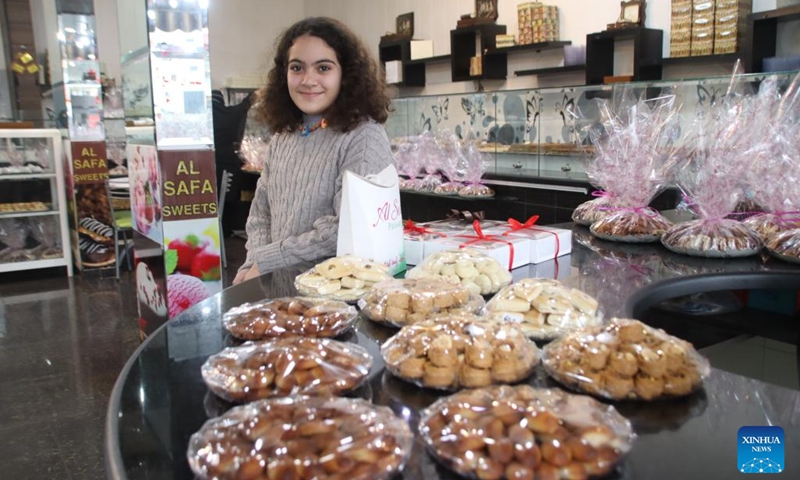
(535, 133)
(160, 399)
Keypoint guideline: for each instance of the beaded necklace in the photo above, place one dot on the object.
(307, 129)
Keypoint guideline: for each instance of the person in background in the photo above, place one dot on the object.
(229, 125)
(326, 101)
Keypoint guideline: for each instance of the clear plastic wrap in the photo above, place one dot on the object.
(626, 359)
(451, 164)
(716, 238)
(286, 367)
(301, 437)
(345, 278)
(408, 301)
(429, 155)
(774, 160)
(13, 235)
(785, 245)
(473, 172)
(636, 150)
(476, 271)
(525, 433)
(589, 212)
(460, 351)
(713, 181)
(253, 150)
(544, 308)
(289, 316)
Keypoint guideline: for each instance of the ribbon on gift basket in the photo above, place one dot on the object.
(482, 237)
(529, 224)
(466, 215)
(411, 227)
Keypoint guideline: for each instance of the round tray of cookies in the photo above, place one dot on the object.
(301, 437)
(345, 278)
(408, 301)
(525, 433)
(284, 367)
(460, 351)
(289, 316)
(626, 359)
(479, 273)
(544, 308)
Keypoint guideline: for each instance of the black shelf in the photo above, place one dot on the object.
(763, 40)
(425, 61)
(537, 47)
(647, 53)
(550, 71)
(413, 74)
(462, 48)
(726, 57)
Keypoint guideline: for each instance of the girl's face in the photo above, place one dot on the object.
(314, 75)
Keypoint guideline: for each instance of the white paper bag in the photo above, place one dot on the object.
(370, 220)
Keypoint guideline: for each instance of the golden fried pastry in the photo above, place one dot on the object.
(626, 359)
(524, 433)
(544, 308)
(457, 351)
(329, 437)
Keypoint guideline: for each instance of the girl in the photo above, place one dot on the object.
(326, 101)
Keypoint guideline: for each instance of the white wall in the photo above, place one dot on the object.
(106, 27)
(241, 36)
(242, 33)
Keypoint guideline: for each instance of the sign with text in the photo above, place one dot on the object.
(89, 162)
(189, 190)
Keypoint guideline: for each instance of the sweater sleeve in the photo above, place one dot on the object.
(258, 229)
(367, 152)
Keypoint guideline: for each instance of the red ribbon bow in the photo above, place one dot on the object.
(411, 227)
(482, 237)
(529, 225)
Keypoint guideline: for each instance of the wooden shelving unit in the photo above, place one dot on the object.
(764, 35)
(551, 70)
(647, 53)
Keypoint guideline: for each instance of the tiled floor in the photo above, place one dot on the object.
(62, 344)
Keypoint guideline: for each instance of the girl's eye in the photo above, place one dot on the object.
(295, 68)
(324, 68)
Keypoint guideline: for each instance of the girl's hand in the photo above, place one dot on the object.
(252, 273)
(245, 275)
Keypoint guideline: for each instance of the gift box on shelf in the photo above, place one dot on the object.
(545, 244)
(510, 251)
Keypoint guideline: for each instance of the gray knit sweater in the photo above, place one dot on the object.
(294, 217)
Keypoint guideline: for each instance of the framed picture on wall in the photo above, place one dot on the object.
(486, 9)
(632, 11)
(405, 25)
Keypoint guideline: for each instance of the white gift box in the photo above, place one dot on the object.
(497, 247)
(557, 269)
(415, 245)
(421, 49)
(543, 245)
(394, 71)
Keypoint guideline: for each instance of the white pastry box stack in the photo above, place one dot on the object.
(511, 243)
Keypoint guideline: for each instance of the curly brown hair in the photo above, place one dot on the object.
(363, 92)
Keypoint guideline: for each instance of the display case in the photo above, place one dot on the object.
(33, 208)
(535, 133)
